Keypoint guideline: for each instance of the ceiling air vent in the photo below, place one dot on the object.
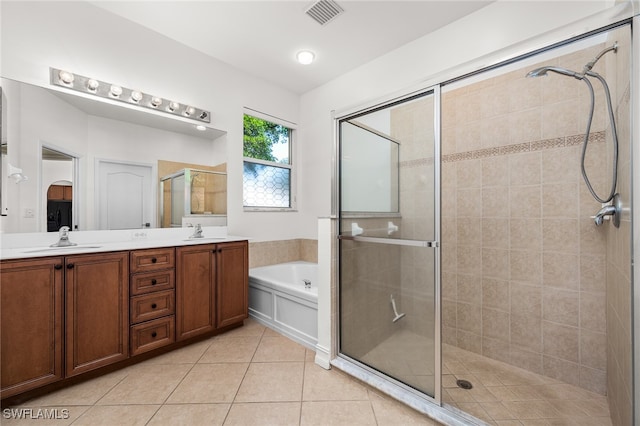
(324, 11)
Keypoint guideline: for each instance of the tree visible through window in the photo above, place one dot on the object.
(267, 165)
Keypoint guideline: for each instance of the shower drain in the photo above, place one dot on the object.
(464, 384)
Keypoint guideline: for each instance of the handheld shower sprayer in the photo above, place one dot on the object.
(587, 72)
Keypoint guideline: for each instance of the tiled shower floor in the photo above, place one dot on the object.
(506, 395)
(501, 395)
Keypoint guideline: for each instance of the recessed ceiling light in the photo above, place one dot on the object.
(201, 127)
(305, 57)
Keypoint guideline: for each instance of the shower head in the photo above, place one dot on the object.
(538, 72)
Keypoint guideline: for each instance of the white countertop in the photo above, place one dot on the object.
(34, 245)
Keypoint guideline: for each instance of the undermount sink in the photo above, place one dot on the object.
(45, 249)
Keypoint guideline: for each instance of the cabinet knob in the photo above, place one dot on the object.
(154, 260)
(154, 282)
(153, 306)
(70, 266)
(57, 267)
(154, 334)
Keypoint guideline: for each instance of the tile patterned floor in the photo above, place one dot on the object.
(506, 395)
(249, 376)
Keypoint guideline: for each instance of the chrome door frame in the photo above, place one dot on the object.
(412, 397)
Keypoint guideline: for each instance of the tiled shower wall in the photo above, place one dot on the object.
(523, 265)
(619, 298)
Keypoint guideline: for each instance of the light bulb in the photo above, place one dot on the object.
(65, 77)
(92, 85)
(156, 101)
(305, 57)
(189, 111)
(173, 106)
(115, 91)
(136, 96)
(201, 127)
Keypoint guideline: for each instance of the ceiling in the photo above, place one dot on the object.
(263, 37)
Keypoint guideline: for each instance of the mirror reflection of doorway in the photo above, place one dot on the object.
(59, 206)
(58, 170)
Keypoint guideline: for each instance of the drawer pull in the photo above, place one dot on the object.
(154, 334)
(57, 267)
(153, 306)
(154, 281)
(154, 260)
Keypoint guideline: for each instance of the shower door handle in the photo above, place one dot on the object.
(392, 241)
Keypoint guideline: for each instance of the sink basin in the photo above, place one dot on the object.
(46, 249)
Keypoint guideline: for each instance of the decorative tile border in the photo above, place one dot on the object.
(595, 137)
(427, 161)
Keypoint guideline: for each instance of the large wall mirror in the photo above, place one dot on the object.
(92, 164)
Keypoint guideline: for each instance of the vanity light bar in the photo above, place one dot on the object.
(114, 92)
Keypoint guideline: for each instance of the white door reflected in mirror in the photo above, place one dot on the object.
(125, 195)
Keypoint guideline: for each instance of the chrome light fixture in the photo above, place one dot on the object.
(119, 93)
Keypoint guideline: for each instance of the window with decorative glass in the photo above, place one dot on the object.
(267, 172)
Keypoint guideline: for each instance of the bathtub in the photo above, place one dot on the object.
(278, 299)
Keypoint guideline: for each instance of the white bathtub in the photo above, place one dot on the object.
(278, 299)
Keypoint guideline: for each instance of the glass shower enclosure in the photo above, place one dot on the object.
(192, 194)
(388, 242)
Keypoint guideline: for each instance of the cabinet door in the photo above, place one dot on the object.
(195, 290)
(97, 310)
(31, 327)
(232, 287)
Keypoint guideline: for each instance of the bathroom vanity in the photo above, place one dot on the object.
(69, 312)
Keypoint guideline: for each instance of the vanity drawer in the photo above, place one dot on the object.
(148, 282)
(152, 306)
(152, 334)
(152, 260)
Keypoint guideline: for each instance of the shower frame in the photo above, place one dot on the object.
(601, 24)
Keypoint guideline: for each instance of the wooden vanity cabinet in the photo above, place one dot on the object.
(232, 283)
(31, 316)
(211, 287)
(195, 290)
(63, 316)
(97, 310)
(152, 303)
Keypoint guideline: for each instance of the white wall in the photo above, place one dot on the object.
(501, 30)
(90, 41)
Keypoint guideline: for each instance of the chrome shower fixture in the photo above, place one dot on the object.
(587, 72)
(114, 92)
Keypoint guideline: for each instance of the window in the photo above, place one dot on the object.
(267, 173)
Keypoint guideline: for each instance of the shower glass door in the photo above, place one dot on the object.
(388, 242)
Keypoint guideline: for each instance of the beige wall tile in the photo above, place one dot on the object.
(566, 371)
(469, 317)
(494, 202)
(525, 201)
(560, 341)
(593, 349)
(495, 324)
(526, 331)
(524, 168)
(525, 234)
(526, 300)
(470, 288)
(561, 235)
(593, 311)
(495, 172)
(495, 294)
(561, 270)
(560, 306)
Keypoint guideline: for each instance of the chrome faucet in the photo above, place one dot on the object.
(63, 238)
(614, 210)
(605, 211)
(197, 232)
